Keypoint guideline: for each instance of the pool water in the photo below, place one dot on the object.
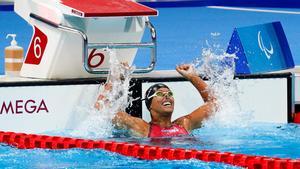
(272, 140)
(76, 158)
(263, 139)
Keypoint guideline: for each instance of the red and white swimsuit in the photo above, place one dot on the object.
(174, 130)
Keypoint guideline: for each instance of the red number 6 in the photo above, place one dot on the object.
(92, 55)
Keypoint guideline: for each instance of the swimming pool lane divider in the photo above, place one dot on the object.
(146, 152)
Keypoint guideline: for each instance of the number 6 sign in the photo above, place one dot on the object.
(37, 47)
(95, 58)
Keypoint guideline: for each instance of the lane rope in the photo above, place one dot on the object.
(147, 152)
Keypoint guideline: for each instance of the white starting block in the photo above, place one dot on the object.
(71, 37)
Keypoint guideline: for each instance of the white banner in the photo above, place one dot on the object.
(37, 109)
(265, 99)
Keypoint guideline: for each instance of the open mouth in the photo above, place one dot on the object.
(167, 103)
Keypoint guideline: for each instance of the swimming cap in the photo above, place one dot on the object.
(151, 90)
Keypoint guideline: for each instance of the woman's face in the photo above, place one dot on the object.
(163, 101)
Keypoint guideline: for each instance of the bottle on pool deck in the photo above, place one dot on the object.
(13, 57)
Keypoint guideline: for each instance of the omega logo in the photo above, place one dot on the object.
(23, 106)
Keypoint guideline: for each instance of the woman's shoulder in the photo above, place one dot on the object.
(184, 122)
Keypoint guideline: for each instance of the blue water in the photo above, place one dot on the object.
(266, 139)
(274, 140)
(77, 158)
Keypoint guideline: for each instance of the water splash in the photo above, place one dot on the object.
(112, 97)
(218, 66)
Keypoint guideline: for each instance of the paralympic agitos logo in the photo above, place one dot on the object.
(23, 106)
(268, 51)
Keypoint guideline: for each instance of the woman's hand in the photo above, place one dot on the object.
(103, 96)
(187, 71)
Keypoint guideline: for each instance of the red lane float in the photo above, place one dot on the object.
(296, 117)
(147, 152)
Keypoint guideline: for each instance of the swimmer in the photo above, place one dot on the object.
(160, 102)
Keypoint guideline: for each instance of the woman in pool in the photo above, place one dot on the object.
(160, 102)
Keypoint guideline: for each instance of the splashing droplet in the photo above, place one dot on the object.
(112, 97)
(218, 66)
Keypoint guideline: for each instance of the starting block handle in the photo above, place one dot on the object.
(152, 45)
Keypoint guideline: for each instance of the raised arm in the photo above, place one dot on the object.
(122, 120)
(195, 118)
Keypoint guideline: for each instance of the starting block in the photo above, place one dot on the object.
(260, 49)
(71, 37)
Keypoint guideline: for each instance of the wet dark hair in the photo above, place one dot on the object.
(151, 90)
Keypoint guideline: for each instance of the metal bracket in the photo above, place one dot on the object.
(86, 46)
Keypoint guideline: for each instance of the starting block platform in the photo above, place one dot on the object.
(71, 37)
(106, 8)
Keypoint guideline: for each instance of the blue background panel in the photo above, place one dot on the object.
(257, 59)
(235, 47)
(259, 49)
